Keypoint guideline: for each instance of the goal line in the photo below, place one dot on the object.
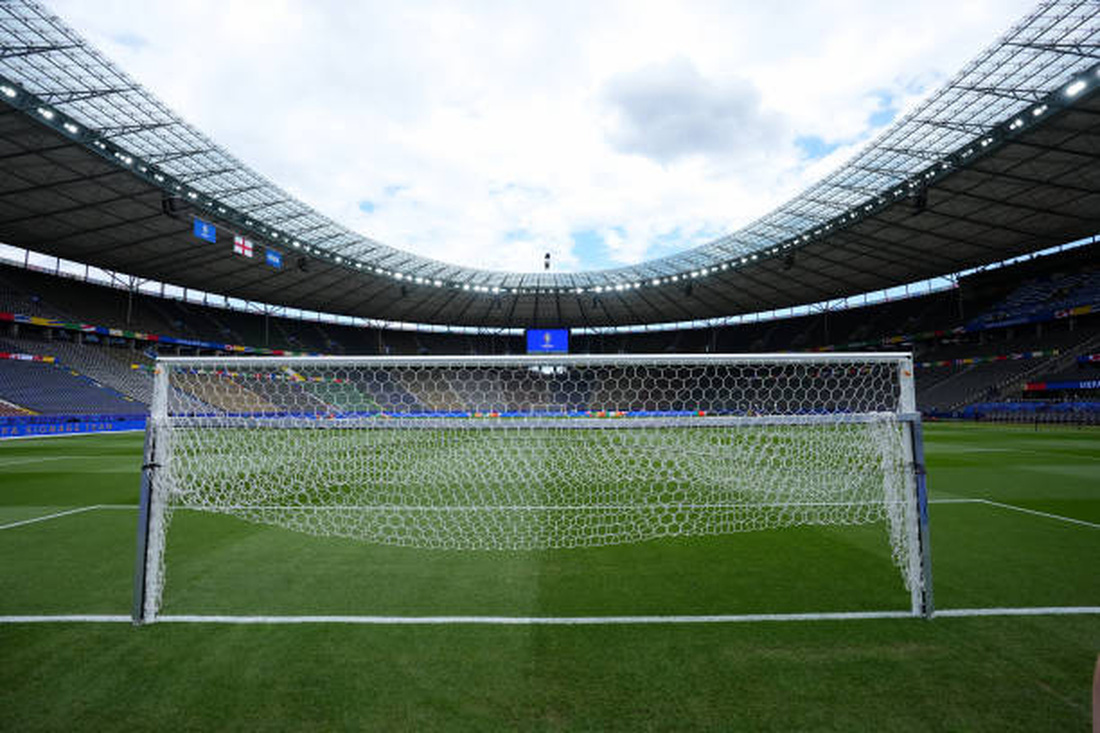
(556, 620)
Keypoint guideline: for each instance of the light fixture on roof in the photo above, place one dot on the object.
(1039, 110)
(1076, 88)
(71, 128)
(7, 92)
(47, 113)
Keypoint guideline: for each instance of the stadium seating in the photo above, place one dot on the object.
(1044, 285)
(7, 409)
(94, 361)
(53, 389)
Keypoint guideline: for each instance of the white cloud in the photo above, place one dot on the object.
(489, 133)
(670, 111)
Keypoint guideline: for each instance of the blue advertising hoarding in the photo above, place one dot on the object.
(547, 341)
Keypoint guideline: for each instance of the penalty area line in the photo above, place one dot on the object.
(1058, 517)
(55, 515)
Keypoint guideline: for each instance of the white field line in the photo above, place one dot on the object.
(42, 459)
(1059, 517)
(1029, 611)
(559, 620)
(65, 618)
(930, 501)
(533, 620)
(49, 516)
(1013, 507)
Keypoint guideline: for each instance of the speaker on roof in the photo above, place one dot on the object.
(921, 202)
(173, 206)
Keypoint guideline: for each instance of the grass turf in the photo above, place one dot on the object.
(947, 674)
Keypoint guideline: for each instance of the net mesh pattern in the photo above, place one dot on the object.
(535, 454)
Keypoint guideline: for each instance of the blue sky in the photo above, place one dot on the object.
(490, 133)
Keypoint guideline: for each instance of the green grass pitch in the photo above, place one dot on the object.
(1027, 535)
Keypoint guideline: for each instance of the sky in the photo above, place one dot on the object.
(489, 133)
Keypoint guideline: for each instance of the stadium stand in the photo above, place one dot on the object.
(94, 361)
(7, 409)
(53, 389)
(1024, 313)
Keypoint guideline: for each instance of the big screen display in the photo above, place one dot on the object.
(548, 341)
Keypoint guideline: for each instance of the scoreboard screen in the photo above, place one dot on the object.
(547, 341)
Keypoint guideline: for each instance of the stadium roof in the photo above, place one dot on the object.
(1000, 161)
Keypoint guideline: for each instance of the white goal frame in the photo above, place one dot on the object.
(153, 505)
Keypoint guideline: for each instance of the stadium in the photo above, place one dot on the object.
(832, 468)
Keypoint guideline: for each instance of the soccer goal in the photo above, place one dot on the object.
(536, 453)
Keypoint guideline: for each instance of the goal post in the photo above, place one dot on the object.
(532, 453)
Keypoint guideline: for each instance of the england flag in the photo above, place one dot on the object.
(242, 246)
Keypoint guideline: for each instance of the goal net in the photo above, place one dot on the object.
(535, 453)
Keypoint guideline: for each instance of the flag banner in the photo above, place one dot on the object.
(205, 230)
(275, 259)
(137, 335)
(242, 246)
(968, 361)
(1071, 384)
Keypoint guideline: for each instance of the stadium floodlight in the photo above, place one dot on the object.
(1076, 88)
(536, 453)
